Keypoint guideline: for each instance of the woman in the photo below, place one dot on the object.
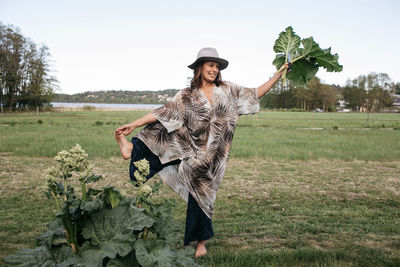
(187, 141)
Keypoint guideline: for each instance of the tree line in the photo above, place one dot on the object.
(120, 97)
(372, 92)
(26, 83)
(25, 78)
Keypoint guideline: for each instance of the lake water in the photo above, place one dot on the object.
(105, 106)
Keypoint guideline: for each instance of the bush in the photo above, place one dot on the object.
(103, 227)
(98, 123)
(88, 107)
(40, 121)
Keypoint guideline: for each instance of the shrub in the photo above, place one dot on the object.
(98, 123)
(103, 227)
(88, 107)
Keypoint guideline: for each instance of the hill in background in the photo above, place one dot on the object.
(120, 97)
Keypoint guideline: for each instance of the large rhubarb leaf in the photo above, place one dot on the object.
(154, 253)
(128, 261)
(64, 256)
(90, 255)
(92, 205)
(109, 223)
(111, 232)
(165, 227)
(306, 57)
(184, 258)
(287, 42)
(158, 253)
(323, 57)
(55, 231)
(111, 196)
(60, 256)
(39, 256)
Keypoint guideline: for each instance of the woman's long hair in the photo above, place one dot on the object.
(196, 81)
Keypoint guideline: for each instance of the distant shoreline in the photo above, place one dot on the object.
(102, 106)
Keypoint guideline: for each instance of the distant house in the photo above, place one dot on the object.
(164, 97)
(396, 102)
(342, 103)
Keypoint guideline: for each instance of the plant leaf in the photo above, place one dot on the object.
(302, 71)
(90, 255)
(306, 60)
(323, 57)
(183, 258)
(128, 261)
(144, 258)
(111, 196)
(154, 253)
(92, 205)
(93, 192)
(64, 256)
(164, 256)
(165, 226)
(111, 230)
(55, 231)
(39, 256)
(287, 42)
(92, 178)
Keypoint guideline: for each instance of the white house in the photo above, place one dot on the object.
(396, 102)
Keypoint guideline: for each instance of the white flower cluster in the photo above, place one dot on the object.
(69, 161)
(146, 190)
(143, 169)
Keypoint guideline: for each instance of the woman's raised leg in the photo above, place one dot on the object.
(124, 145)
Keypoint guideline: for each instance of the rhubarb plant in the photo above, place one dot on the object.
(305, 57)
(102, 227)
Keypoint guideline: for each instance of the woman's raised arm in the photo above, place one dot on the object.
(130, 127)
(264, 88)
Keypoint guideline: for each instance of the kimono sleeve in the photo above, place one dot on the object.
(246, 99)
(171, 114)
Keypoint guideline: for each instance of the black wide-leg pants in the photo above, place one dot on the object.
(198, 225)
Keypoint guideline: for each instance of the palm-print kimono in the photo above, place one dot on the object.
(198, 133)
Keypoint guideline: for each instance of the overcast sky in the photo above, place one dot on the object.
(147, 45)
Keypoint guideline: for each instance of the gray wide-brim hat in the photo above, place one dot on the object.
(209, 54)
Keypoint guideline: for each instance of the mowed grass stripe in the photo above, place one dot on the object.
(22, 135)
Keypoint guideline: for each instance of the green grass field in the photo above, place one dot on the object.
(301, 189)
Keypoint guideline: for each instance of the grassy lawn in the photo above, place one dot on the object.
(292, 195)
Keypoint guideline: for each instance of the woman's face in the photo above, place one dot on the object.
(210, 71)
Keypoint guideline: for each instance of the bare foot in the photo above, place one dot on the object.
(125, 146)
(201, 249)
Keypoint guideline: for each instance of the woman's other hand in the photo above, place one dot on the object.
(125, 129)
